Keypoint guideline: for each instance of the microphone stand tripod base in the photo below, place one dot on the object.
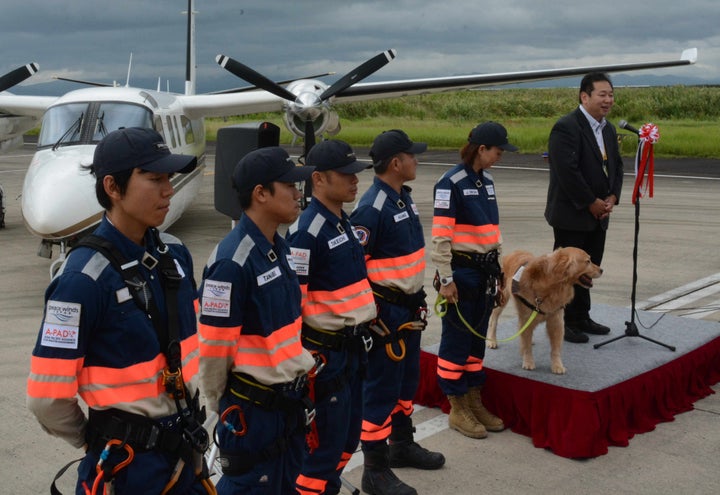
(631, 330)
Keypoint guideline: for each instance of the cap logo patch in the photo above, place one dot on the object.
(162, 147)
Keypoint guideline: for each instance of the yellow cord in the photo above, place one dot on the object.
(441, 308)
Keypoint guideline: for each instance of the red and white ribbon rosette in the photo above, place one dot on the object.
(644, 161)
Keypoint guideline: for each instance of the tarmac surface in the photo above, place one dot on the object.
(678, 271)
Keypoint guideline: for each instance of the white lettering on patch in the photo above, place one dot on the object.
(471, 192)
(301, 259)
(268, 276)
(61, 327)
(401, 216)
(216, 298)
(442, 205)
(490, 189)
(442, 194)
(337, 241)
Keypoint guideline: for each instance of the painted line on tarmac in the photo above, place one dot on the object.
(680, 292)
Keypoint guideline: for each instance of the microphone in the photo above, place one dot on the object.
(624, 125)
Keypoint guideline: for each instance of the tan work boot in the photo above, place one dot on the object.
(462, 419)
(488, 419)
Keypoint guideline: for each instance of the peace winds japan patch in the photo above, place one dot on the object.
(61, 327)
(216, 298)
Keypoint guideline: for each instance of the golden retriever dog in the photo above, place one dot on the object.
(543, 284)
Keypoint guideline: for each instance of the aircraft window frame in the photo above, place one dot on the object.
(171, 131)
(187, 127)
(91, 121)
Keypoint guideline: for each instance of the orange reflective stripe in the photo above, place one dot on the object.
(53, 378)
(477, 234)
(283, 344)
(218, 342)
(399, 267)
(403, 406)
(443, 226)
(372, 432)
(309, 486)
(101, 376)
(344, 300)
(344, 459)
(474, 364)
(449, 370)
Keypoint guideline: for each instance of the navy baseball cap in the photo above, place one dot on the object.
(390, 143)
(266, 165)
(491, 134)
(138, 147)
(336, 155)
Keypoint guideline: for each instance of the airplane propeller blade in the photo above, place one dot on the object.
(255, 78)
(18, 75)
(358, 74)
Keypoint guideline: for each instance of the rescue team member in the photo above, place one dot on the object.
(337, 304)
(466, 250)
(119, 330)
(253, 366)
(388, 226)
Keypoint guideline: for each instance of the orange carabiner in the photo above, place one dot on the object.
(104, 456)
(241, 418)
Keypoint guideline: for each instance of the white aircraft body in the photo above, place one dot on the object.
(58, 196)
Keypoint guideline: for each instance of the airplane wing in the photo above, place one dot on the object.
(248, 102)
(367, 91)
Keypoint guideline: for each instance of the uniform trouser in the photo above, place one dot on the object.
(390, 385)
(461, 354)
(149, 472)
(264, 427)
(338, 416)
(593, 243)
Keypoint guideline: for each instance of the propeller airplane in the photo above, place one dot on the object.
(58, 197)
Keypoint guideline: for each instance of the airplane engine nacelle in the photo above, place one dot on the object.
(308, 106)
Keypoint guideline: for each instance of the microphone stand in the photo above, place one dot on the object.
(631, 329)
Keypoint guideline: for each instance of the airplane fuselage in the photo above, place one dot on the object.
(58, 200)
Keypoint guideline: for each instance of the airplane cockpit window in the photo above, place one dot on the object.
(113, 116)
(89, 122)
(62, 124)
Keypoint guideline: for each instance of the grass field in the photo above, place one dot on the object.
(688, 117)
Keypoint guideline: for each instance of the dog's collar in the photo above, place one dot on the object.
(515, 287)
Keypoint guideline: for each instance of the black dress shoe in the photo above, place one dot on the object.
(595, 328)
(574, 334)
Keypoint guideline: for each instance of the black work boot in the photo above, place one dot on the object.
(404, 452)
(378, 478)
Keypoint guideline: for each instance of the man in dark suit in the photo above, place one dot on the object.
(586, 175)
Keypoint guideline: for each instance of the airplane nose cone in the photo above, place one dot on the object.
(58, 198)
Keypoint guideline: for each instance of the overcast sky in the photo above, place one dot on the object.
(93, 39)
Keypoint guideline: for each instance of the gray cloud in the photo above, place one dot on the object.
(93, 39)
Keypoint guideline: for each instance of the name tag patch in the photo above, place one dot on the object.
(268, 276)
(471, 192)
(61, 327)
(490, 188)
(415, 209)
(216, 298)
(401, 216)
(337, 241)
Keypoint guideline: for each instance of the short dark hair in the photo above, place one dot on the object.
(588, 82)
(245, 197)
(121, 178)
(382, 166)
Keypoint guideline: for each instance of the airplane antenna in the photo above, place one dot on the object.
(190, 66)
(127, 81)
(159, 83)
